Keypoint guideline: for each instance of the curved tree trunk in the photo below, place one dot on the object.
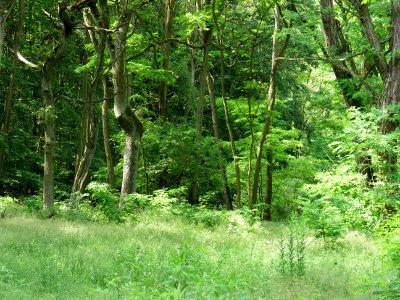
(131, 125)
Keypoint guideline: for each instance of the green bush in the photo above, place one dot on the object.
(390, 236)
(105, 200)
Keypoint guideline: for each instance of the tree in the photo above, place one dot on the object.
(48, 71)
(206, 39)
(5, 127)
(6, 8)
(124, 114)
(267, 126)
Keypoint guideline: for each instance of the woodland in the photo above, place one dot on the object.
(216, 133)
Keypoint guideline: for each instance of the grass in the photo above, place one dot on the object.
(162, 256)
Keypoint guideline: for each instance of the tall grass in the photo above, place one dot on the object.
(166, 257)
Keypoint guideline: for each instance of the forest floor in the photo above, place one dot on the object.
(161, 256)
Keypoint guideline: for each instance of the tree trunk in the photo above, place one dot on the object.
(336, 45)
(133, 128)
(90, 123)
(83, 123)
(211, 91)
(5, 127)
(369, 31)
(168, 20)
(89, 142)
(6, 7)
(268, 196)
(49, 68)
(391, 94)
(2, 30)
(230, 132)
(271, 102)
(207, 35)
(106, 134)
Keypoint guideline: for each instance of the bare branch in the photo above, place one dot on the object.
(23, 59)
(56, 22)
(76, 100)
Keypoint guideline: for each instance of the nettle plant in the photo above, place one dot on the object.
(292, 247)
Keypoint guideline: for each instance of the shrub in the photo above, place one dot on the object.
(390, 233)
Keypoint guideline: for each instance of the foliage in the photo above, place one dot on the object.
(102, 197)
(166, 256)
(390, 241)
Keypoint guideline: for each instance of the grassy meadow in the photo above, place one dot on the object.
(162, 256)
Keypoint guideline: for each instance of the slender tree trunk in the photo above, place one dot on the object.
(268, 195)
(207, 35)
(271, 103)
(231, 136)
(213, 104)
(89, 142)
(2, 30)
(90, 118)
(6, 7)
(106, 134)
(5, 127)
(168, 20)
(83, 123)
(219, 33)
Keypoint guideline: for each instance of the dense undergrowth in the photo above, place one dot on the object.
(172, 251)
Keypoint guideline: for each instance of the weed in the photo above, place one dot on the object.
(292, 246)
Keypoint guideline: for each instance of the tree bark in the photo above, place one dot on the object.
(90, 119)
(6, 124)
(336, 45)
(369, 31)
(391, 93)
(221, 165)
(89, 141)
(48, 70)
(268, 195)
(271, 103)
(6, 7)
(106, 134)
(133, 128)
(207, 35)
(231, 136)
(168, 20)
